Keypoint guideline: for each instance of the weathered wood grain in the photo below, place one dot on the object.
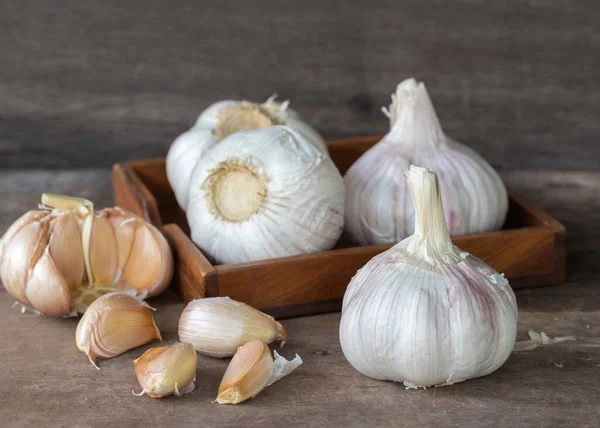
(93, 83)
(46, 381)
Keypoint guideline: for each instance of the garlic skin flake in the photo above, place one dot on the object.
(378, 206)
(166, 370)
(264, 194)
(219, 121)
(424, 312)
(218, 326)
(60, 259)
(114, 324)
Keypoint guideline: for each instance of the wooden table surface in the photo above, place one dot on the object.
(46, 381)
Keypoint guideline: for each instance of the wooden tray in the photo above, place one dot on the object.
(529, 250)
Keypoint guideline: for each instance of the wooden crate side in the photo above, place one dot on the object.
(131, 193)
(195, 277)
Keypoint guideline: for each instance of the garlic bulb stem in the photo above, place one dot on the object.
(413, 120)
(431, 240)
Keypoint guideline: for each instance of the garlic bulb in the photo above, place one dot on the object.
(218, 326)
(113, 324)
(251, 370)
(263, 194)
(166, 370)
(425, 313)
(221, 120)
(59, 259)
(378, 206)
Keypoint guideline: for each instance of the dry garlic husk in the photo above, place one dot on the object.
(60, 258)
(221, 120)
(264, 194)
(424, 312)
(218, 326)
(251, 370)
(378, 205)
(113, 324)
(166, 370)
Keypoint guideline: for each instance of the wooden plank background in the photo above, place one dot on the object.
(85, 84)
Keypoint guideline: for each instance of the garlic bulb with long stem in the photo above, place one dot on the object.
(424, 312)
(378, 205)
(219, 121)
(263, 194)
(218, 326)
(57, 260)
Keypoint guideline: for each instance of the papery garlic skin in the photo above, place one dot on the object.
(424, 312)
(378, 205)
(264, 194)
(167, 370)
(57, 261)
(114, 324)
(218, 326)
(217, 122)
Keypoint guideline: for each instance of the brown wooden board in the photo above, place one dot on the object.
(529, 250)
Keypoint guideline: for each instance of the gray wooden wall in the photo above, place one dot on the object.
(88, 83)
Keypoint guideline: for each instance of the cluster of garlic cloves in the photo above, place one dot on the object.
(221, 120)
(378, 205)
(59, 259)
(167, 370)
(218, 326)
(114, 324)
(425, 313)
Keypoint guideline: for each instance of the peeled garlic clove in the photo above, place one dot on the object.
(113, 324)
(167, 370)
(425, 313)
(66, 249)
(103, 251)
(19, 256)
(379, 209)
(218, 326)
(271, 186)
(47, 289)
(149, 267)
(247, 374)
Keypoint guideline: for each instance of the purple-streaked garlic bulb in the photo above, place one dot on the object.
(378, 205)
(217, 122)
(425, 313)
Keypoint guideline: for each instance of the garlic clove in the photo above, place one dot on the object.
(26, 219)
(66, 250)
(20, 254)
(153, 278)
(124, 228)
(218, 326)
(247, 374)
(47, 289)
(113, 324)
(167, 370)
(103, 251)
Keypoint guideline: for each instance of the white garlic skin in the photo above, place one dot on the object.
(192, 144)
(303, 207)
(379, 209)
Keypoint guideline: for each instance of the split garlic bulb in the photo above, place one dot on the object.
(425, 313)
(221, 120)
(59, 259)
(263, 194)
(378, 206)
